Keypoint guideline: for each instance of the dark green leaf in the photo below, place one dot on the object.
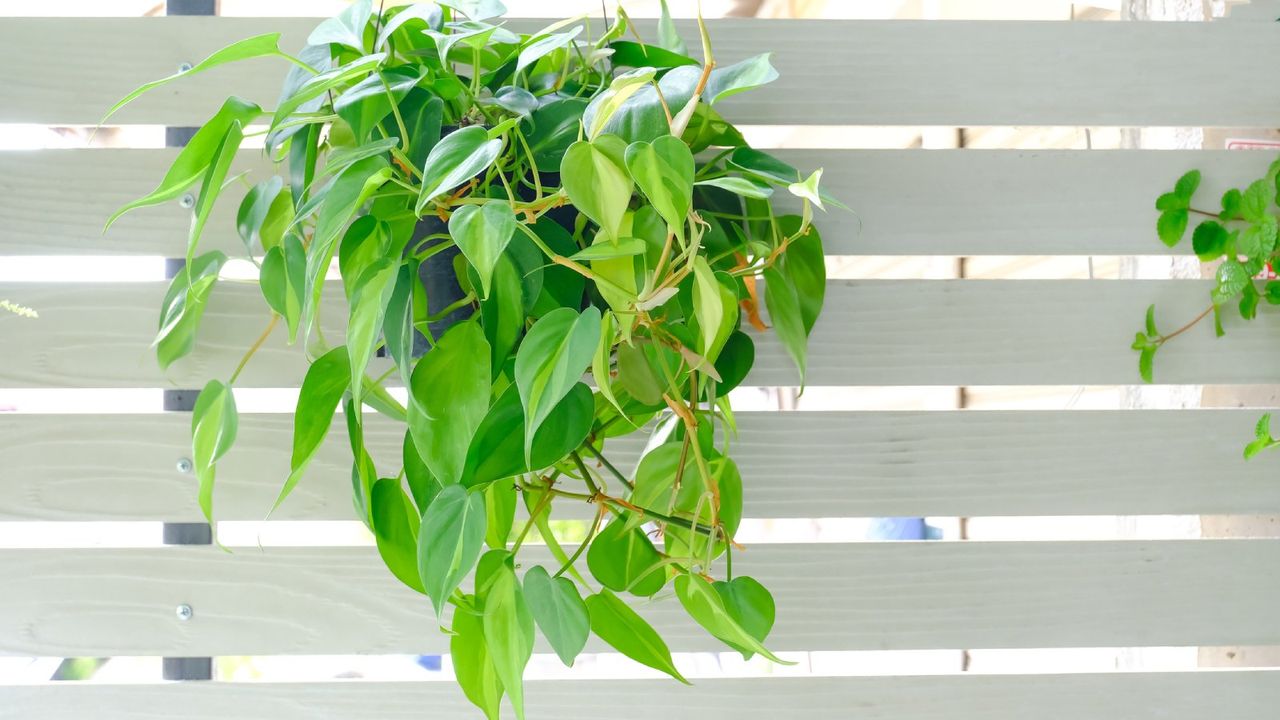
(1231, 201)
(559, 612)
(623, 559)
(253, 210)
(552, 129)
(805, 266)
(551, 360)
(369, 101)
(398, 321)
(395, 527)
(283, 279)
(735, 361)
(625, 631)
(787, 317)
(458, 157)
(452, 536)
(498, 451)
(214, 421)
(1209, 240)
(448, 399)
(637, 55)
(368, 307)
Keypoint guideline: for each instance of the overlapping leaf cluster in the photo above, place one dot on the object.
(612, 231)
(1241, 238)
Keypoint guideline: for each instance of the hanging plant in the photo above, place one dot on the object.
(1242, 239)
(556, 241)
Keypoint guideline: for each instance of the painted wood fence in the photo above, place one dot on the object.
(831, 597)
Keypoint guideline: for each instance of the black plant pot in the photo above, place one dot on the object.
(439, 280)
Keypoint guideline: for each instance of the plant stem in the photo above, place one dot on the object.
(585, 541)
(586, 475)
(538, 509)
(608, 465)
(1165, 338)
(254, 348)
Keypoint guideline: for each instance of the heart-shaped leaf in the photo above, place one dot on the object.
(471, 662)
(498, 448)
(559, 612)
(623, 559)
(750, 605)
(508, 632)
(551, 360)
(663, 170)
(450, 541)
(553, 128)
(706, 607)
(449, 395)
(613, 621)
(458, 157)
(597, 183)
(482, 233)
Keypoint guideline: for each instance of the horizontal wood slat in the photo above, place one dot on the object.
(872, 332)
(945, 595)
(889, 72)
(795, 465)
(1240, 695)
(943, 202)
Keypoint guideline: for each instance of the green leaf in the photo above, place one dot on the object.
(551, 359)
(606, 104)
(422, 484)
(423, 114)
(638, 55)
(452, 536)
(472, 665)
(252, 47)
(788, 321)
(195, 159)
(502, 313)
(346, 28)
(739, 186)
(1263, 439)
(1259, 239)
(449, 395)
(543, 46)
(428, 13)
(214, 421)
(253, 210)
(283, 279)
(369, 101)
(625, 247)
(184, 305)
(1171, 226)
(1150, 325)
(1272, 292)
(497, 451)
(369, 302)
(656, 473)
(482, 233)
(642, 116)
(804, 264)
(317, 86)
(735, 361)
(668, 37)
(597, 183)
(807, 189)
(623, 559)
(707, 608)
(1231, 277)
(694, 497)
(600, 361)
(476, 9)
(739, 77)
(1231, 201)
(559, 612)
(508, 633)
(1186, 185)
(625, 631)
(395, 527)
(397, 324)
(715, 307)
(458, 157)
(1146, 358)
(500, 513)
(1256, 201)
(322, 388)
(750, 605)
(637, 376)
(552, 129)
(1209, 240)
(663, 170)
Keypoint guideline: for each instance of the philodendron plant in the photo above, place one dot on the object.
(556, 241)
(1242, 239)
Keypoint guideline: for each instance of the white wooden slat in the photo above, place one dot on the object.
(943, 202)
(1240, 695)
(795, 465)
(895, 332)
(885, 596)
(888, 72)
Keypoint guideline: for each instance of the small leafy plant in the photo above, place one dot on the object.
(511, 214)
(1243, 236)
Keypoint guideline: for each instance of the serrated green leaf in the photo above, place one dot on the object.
(322, 388)
(1231, 279)
(1171, 225)
(214, 422)
(1259, 239)
(482, 233)
(551, 359)
(448, 398)
(395, 528)
(613, 621)
(1209, 240)
(452, 536)
(559, 612)
(458, 157)
(1187, 184)
(1256, 201)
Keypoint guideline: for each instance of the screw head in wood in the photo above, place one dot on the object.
(184, 67)
(187, 201)
(184, 612)
(184, 465)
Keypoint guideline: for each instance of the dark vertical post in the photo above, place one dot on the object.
(182, 668)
